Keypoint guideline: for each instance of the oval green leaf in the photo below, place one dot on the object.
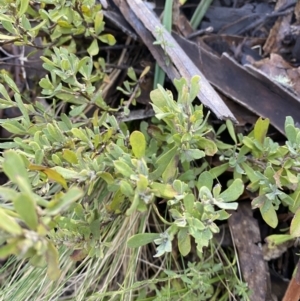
(57, 205)
(269, 214)
(25, 207)
(93, 49)
(14, 168)
(138, 144)
(184, 242)
(261, 129)
(141, 239)
(52, 258)
(8, 224)
(233, 192)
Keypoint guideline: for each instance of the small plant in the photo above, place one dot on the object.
(85, 188)
(163, 43)
(132, 88)
(64, 20)
(186, 132)
(82, 179)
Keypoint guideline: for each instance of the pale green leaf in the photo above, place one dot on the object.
(141, 239)
(142, 183)
(66, 121)
(192, 154)
(99, 24)
(45, 83)
(70, 156)
(107, 177)
(7, 38)
(81, 134)
(23, 7)
(8, 224)
(85, 67)
(195, 87)
(269, 214)
(231, 130)
(226, 206)
(4, 93)
(63, 202)
(14, 127)
(205, 179)
(134, 205)
(8, 194)
(131, 74)
(261, 129)
(55, 132)
(68, 174)
(22, 108)
(26, 208)
(6, 18)
(126, 188)
(123, 168)
(188, 202)
(138, 144)
(184, 242)
(8, 80)
(250, 172)
(163, 161)
(277, 239)
(163, 190)
(290, 129)
(218, 170)
(14, 168)
(8, 249)
(52, 258)
(8, 145)
(93, 49)
(207, 145)
(233, 192)
(108, 39)
(170, 171)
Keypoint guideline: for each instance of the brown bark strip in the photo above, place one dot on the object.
(293, 291)
(246, 236)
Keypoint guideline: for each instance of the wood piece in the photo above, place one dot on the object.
(246, 236)
(297, 12)
(246, 86)
(147, 37)
(185, 66)
(120, 23)
(293, 291)
(232, 21)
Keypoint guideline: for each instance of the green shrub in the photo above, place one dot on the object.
(89, 190)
